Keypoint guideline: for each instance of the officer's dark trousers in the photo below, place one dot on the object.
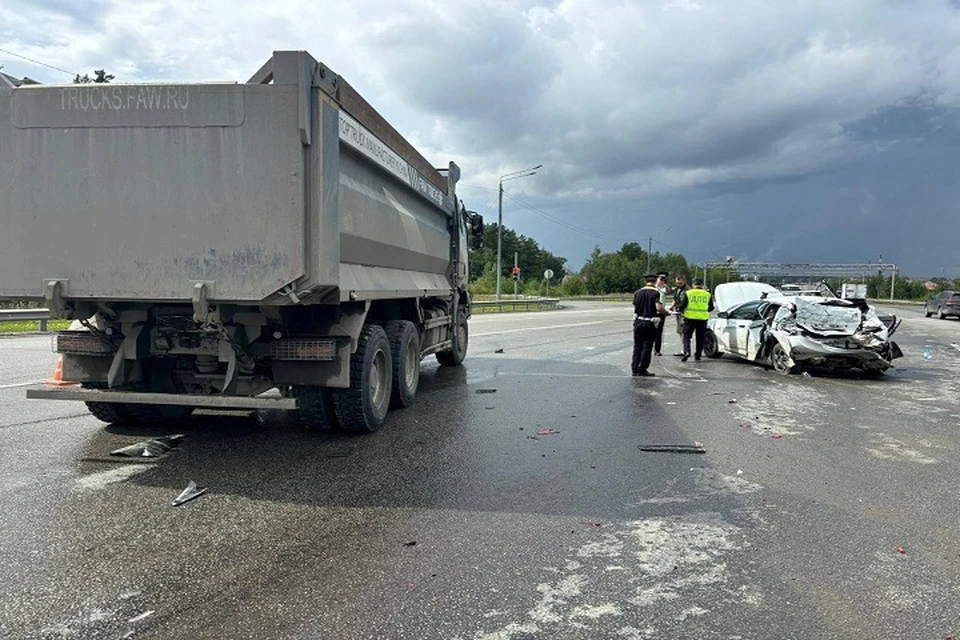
(644, 334)
(691, 327)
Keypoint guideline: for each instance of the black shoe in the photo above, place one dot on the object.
(678, 354)
(685, 357)
(697, 358)
(658, 354)
(646, 374)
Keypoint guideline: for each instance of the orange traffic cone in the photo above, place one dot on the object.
(57, 379)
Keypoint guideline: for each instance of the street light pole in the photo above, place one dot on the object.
(507, 176)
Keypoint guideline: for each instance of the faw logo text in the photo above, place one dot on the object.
(124, 98)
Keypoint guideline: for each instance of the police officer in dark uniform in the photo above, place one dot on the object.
(648, 313)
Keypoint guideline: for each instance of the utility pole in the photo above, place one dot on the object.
(507, 176)
(649, 251)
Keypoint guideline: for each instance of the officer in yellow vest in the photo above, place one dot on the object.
(695, 305)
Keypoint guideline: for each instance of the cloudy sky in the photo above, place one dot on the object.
(800, 131)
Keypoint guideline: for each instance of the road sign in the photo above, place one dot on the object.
(548, 274)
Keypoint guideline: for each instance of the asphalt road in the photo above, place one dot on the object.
(511, 502)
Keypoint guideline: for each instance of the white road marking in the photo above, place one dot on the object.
(542, 328)
(20, 384)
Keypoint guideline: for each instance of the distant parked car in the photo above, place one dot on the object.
(945, 303)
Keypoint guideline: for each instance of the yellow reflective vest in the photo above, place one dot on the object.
(698, 304)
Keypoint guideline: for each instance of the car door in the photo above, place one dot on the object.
(739, 321)
(757, 331)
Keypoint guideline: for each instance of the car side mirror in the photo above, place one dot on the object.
(476, 230)
(722, 314)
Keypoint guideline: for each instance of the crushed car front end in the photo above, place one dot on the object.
(836, 334)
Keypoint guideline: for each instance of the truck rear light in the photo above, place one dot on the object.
(293, 349)
(82, 343)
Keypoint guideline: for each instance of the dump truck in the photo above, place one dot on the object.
(216, 242)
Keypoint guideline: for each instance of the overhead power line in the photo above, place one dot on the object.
(562, 223)
(42, 64)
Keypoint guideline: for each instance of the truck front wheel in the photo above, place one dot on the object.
(363, 407)
(460, 340)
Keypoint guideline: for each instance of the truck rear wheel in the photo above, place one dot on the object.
(363, 407)
(109, 412)
(315, 407)
(461, 338)
(405, 351)
(159, 379)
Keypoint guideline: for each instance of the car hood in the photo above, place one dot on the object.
(828, 318)
(730, 294)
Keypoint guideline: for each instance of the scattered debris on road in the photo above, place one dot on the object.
(189, 493)
(673, 448)
(776, 436)
(499, 351)
(732, 401)
(411, 543)
(153, 448)
(591, 523)
(547, 432)
(486, 391)
(901, 550)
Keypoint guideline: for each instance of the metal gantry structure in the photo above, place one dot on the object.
(807, 269)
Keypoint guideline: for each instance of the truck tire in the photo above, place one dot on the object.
(405, 351)
(315, 407)
(109, 412)
(363, 407)
(461, 339)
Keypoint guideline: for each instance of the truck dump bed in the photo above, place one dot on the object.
(266, 193)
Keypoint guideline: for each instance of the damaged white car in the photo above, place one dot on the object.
(759, 323)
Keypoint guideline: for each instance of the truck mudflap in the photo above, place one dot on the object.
(175, 399)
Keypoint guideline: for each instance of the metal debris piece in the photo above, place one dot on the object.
(153, 448)
(732, 401)
(672, 448)
(547, 432)
(411, 543)
(486, 391)
(499, 351)
(189, 493)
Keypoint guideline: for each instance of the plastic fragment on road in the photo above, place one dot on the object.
(671, 403)
(152, 448)
(485, 391)
(547, 432)
(805, 374)
(411, 586)
(499, 351)
(901, 550)
(739, 472)
(776, 436)
(410, 543)
(927, 353)
(732, 401)
(672, 448)
(142, 616)
(191, 492)
(591, 523)
(532, 438)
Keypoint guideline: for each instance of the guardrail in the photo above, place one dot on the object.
(521, 304)
(24, 315)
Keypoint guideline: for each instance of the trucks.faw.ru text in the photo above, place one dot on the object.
(213, 242)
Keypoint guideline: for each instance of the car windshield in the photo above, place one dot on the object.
(827, 319)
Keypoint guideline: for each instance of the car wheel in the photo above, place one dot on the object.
(926, 312)
(941, 314)
(780, 361)
(711, 347)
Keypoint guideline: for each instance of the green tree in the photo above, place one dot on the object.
(100, 76)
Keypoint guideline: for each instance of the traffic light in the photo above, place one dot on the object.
(516, 273)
